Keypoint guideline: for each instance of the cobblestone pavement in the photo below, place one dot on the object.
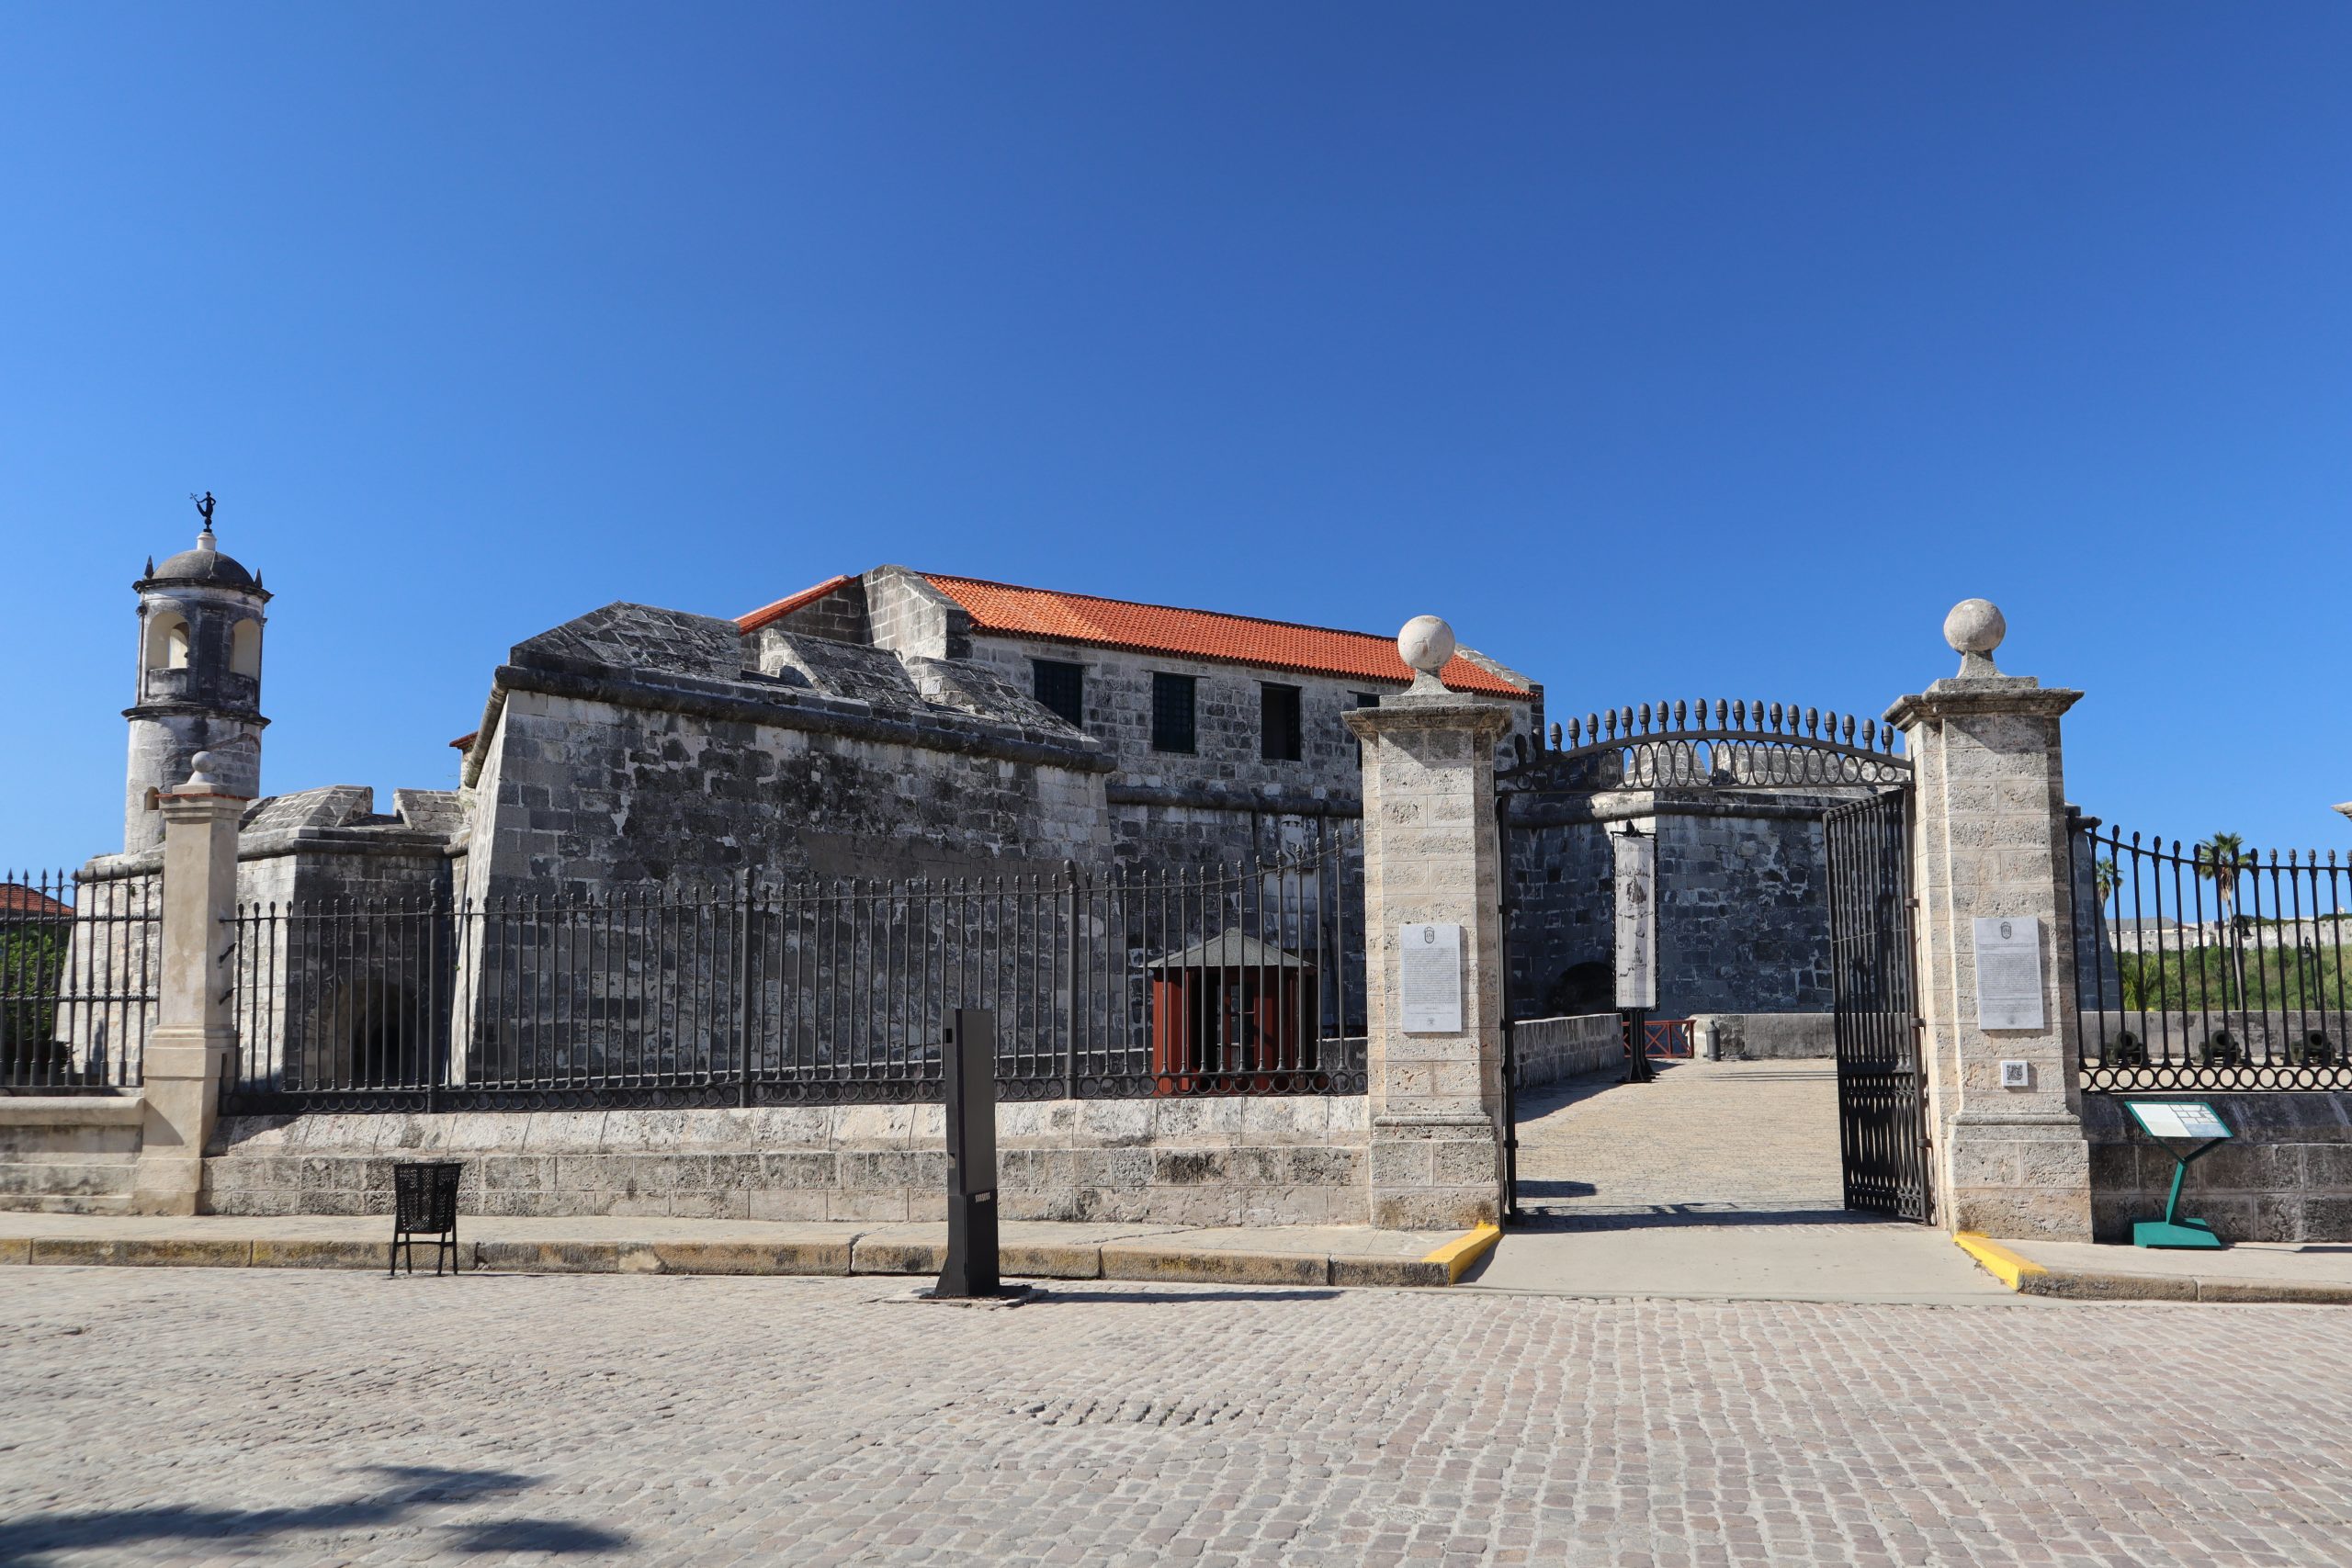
(219, 1417)
(1759, 1135)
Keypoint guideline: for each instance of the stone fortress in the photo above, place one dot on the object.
(901, 724)
(906, 728)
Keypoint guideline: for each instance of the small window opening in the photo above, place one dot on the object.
(167, 643)
(1278, 728)
(1174, 700)
(1061, 686)
(244, 649)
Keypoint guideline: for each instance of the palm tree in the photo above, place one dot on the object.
(2219, 859)
(2106, 879)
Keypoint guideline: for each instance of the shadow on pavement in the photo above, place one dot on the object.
(28, 1538)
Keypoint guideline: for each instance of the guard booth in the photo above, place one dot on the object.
(1230, 1007)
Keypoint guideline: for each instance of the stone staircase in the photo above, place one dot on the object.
(72, 1154)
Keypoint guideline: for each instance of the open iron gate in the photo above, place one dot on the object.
(1882, 1091)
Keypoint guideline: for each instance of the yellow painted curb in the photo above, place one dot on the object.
(1456, 1256)
(1998, 1262)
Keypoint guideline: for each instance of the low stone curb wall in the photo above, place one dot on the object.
(1546, 1050)
(1767, 1036)
(1198, 1162)
(75, 1154)
(2028, 1277)
(1139, 1261)
(2287, 1175)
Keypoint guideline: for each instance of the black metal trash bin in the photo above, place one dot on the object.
(425, 1203)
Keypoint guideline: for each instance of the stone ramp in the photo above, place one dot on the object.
(1869, 1261)
(1272, 1255)
(1752, 1138)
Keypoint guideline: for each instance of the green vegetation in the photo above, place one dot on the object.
(2212, 978)
(32, 958)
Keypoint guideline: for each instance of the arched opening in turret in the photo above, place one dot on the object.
(168, 642)
(244, 648)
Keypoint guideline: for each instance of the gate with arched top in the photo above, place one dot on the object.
(1777, 835)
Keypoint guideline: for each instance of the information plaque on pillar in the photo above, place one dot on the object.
(2009, 973)
(1428, 978)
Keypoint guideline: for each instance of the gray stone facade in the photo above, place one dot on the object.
(1743, 915)
(1259, 1160)
(633, 747)
(2286, 1177)
(1223, 801)
(1547, 1050)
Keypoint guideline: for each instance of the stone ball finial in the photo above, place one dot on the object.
(199, 772)
(1425, 644)
(1973, 629)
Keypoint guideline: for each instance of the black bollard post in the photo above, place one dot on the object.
(970, 1062)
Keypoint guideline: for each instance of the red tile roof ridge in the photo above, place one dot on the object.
(767, 614)
(1146, 605)
(1461, 673)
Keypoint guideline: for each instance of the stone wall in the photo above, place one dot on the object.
(585, 794)
(67, 1154)
(1253, 1160)
(2287, 1176)
(1546, 1050)
(1562, 939)
(1226, 800)
(1742, 890)
(1767, 1036)
(637, 746)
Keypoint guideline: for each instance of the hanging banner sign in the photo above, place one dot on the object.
(1636, 919)
(2009, 973)
(1428, 978)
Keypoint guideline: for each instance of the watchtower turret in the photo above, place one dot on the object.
(200, 680)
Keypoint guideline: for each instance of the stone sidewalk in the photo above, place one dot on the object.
(1272, 1255)
(2313, 1273)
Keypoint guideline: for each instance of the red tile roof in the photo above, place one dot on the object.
(783, 607)
(16, 898)
(1042, 613)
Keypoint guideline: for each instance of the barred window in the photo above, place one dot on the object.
(1173, 698)
(1061, 686)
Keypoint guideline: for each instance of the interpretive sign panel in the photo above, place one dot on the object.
(2009, 973)
(2177, 1119)
(1428, 978)
(1636, 919)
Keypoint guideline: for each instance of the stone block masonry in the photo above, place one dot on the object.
(1432, 855)
(1990, 841)
(1546, 1050)
(2286, 1177)
(1254, 1161)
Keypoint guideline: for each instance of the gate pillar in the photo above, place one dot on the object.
(1431, 857)
(1991, 844)
(193, 1035)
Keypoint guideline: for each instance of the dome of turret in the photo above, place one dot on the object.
(205, 565)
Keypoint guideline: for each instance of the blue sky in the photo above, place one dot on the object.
(1670, 351)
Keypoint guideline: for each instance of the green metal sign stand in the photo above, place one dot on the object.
(2167, 1118)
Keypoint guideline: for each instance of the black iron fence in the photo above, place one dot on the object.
(79, 960)
(1245, 979)
(2208, 967)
